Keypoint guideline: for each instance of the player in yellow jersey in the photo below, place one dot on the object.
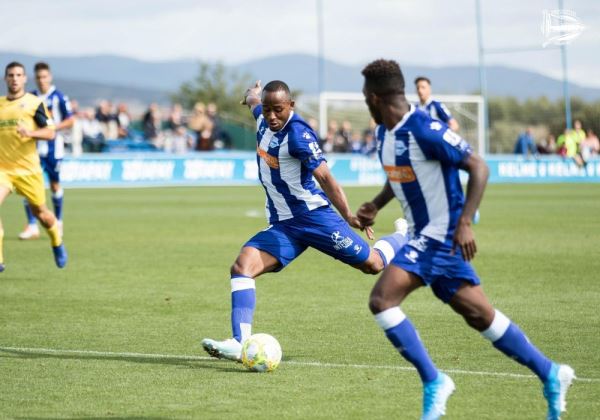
(23, 120)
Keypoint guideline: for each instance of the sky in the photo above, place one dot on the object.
(418, 32)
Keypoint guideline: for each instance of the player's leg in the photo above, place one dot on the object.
(4, 192)
(470, 302)
(31, 230)
(53, 171)
(385, 249)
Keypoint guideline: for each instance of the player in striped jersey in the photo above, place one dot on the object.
(421, 157)
(436, 109)
(51, 153)
(300, 215)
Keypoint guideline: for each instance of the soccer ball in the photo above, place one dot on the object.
(261, 353)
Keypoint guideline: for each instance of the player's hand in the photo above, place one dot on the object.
(355, 222)
(366, 214)
(22, 130)
(252, 95)
(464, 239)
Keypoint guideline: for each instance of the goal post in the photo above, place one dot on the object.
(351, 106)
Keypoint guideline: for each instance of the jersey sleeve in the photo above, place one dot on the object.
(41, 116)
(304, 146)
(66, 110)
(443, 112)
(257, 111)
(440, 143)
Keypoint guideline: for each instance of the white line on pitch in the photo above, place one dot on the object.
(42, 351)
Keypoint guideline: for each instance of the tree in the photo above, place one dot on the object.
(215, 83)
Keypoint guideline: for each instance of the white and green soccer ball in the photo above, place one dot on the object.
(261, 353)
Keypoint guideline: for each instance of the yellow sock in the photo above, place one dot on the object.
(54, 234)
(1, 243)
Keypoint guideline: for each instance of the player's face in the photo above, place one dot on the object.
(277, 107)
(423, 90)
(15, 79)
(372, 102)
(43, 79)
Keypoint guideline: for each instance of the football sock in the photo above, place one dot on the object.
(403, 335)
(54, 234)
(30, 217)
(57, 201)
(507, 337)
(243, 302)
(388, 246)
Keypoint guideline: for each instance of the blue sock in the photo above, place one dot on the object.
(30, 217)
(388, 246)
(507, 337)
(243, 302)
(403, 335)
(57, 201)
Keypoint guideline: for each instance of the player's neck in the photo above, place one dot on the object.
(12, 96)
(394, 112)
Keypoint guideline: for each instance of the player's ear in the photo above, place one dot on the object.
(292, 103)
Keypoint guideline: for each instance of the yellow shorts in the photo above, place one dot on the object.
(29, 186)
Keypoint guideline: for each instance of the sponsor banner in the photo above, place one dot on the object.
(241, 169)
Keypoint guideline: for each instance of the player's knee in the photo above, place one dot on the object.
(378, 303)
(478, 318)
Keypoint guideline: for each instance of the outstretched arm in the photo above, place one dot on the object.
(478, 176)
(46, 133)
(252, 96)
(368, 211)
(336, 195)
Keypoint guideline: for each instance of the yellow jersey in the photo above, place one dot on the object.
(18, 155)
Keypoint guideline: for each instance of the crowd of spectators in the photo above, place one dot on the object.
(342, 138)
(576, 143)
(173, 130)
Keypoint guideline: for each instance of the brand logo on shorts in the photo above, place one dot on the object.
(340, 242)
(357, 248)
(420, 243)
(412, 256)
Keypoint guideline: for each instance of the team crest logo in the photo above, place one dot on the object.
(340, 242)
(400, 148)
(306, 135)
(274, 143)
(435, 125)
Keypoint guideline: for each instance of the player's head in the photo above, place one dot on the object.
(384, 83)
(43, 76)
(277, 104)
(15, 78)
(423, 85)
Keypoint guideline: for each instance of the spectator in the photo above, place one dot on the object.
(91, 130)
(201, 125)
(107, 120)
(547, 146)
(177, 139)
(369, 144)
(568, 146)
(73, 137)
(578, 131)
(356, 143)
(327, 142)
(341, 139)
(123, 121)
(590, 146)
(525, 144)
(151, 125)
(220, 137)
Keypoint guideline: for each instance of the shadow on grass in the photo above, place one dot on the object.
(220, 365)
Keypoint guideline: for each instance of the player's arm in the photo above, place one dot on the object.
(67, 112)
(336, 195)
(45, 130)
(446, 116)
(368, 211)
(453, 124)
(478, 176)
(252, 97)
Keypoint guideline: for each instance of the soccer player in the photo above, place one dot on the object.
(436, 109)
(422, 157)
(51, 152)
(300, 215)
(23, 119)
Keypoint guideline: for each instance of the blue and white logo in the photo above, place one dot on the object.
(400, 148)
(274, 143)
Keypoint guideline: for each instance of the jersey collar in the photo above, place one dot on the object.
(405, 118)
(284, 125)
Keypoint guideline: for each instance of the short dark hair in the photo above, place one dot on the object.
(276, 86)
(12, 65)
(384, 77)
(422, 79)
(40, 65)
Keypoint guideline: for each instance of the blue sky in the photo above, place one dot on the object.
(426, 32)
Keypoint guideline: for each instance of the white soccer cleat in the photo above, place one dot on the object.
(229, 349)
(30, 232)
(401, 226)
(435, 396)
(555, 389)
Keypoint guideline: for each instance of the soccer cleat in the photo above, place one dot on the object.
(60, 255)
(30, 232)
(435, 395)
(555, 389)
(401, 226)
(229, 349)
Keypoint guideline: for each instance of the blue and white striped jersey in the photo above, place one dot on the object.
(436, 110)
(60, 109)
(421, 157)
(286, 160)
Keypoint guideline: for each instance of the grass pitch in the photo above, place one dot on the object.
(148, 279)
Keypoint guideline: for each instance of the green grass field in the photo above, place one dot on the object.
(148, 279)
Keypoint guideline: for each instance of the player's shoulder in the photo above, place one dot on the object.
(299, 130)
(424, 127)
(32, 100)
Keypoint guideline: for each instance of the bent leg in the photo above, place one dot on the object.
(506, 336)
(48, 220)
